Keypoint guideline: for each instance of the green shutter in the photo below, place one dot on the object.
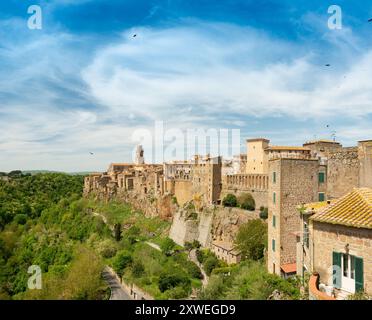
(321, 196)
(337, 270)
(359, 285)
(321, 177)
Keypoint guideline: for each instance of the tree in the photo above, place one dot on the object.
(209, 264)
(264, 213)
(117, 231)
(122, 260)
(246, 202)
(193, 270)
(230, 201)
(251, 239)
(167, 246)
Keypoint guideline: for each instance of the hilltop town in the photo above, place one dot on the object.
(318, 199)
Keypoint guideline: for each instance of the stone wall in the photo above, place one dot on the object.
(186, 228)
(365, 157)
(296, 183)
(343, 172)
(327, 238)
(255, 184)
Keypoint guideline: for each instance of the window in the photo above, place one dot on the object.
(274, 177)
(274, 221)
(274, 197)
(306, 235)
(273, 245)
(321, 196)
(321, 177)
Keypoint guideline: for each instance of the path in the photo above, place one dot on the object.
(117, 292)
(193, 258)
(153, 245)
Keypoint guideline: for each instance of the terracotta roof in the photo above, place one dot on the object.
(287, 148)
(289, 267)
(354, 210)
(228, 246)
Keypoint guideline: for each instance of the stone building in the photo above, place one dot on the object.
(291, 181)
(335, 244)
(257, 158)
(225, 251)
(328, 172)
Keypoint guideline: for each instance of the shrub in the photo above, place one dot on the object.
(193, 270)
(138, 269)
(168, 281)
(209, 264)
(107, 249)
(167, 246)
(246, 202)
(230, 201)
(264, 213)
(20, 219)
(178, 293)
(199, 256)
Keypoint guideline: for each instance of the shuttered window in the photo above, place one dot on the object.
(336, 257)
(321, 177)
(359, 277)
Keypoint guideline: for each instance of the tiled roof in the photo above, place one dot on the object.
(289, 267)
(353, 209)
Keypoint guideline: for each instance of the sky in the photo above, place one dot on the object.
(74, 94)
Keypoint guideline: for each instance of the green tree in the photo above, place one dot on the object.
(167, 246)
(264, 213)
(246, 202)
(230, 201)
(121, 261)
(251, 239)
(209, 264)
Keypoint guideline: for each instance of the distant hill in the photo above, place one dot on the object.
(33, 172)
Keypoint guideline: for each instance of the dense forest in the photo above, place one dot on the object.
(43, 223)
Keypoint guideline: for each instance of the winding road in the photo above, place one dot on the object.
(117, 292)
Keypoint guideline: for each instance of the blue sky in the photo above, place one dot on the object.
(83, 84)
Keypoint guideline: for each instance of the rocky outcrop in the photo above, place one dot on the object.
(212, 223)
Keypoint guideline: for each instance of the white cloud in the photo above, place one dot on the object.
(219, 68)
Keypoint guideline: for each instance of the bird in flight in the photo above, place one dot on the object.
(327, 65)
(134, 35)
(370, 20)
(91, 153)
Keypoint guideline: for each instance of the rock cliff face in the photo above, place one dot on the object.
(151, 206)
(212, 223)
(227, 221)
